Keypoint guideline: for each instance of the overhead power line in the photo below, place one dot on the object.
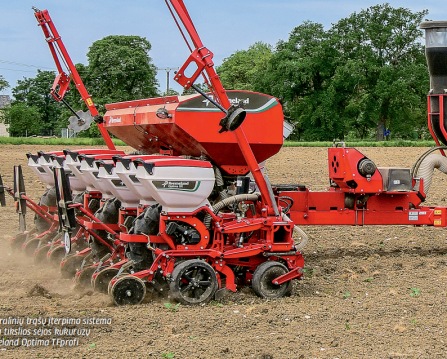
(3, 68)
(26, 65)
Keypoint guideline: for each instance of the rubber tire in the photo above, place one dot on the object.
(128, 290)
(102, 280)
(262, 280)
(178, 282)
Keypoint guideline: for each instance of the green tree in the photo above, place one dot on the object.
(367, 73)
(3, 83)
(191, 91)
(22, 119)
(120, 69)
(299, 74)
(35, 93)
(171, 92)
(382, 68)
(240, 70)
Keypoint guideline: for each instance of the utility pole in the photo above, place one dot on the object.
(168, 70)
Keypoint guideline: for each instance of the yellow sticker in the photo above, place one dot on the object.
(438, 212)
(438, 222)
(89, 102)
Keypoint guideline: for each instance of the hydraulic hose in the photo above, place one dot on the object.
(233, 199)
(417, 164)
(223, 194)
(220, 183)
(427, 167)
(304, 238)
(254, 197)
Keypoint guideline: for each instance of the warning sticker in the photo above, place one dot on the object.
(413, 216)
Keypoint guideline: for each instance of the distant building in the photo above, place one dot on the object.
(4, 101)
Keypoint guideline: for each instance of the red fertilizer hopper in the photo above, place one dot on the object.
(189, 125)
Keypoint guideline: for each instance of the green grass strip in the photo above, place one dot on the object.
(57, 141)
(394, 143)
(99, 142)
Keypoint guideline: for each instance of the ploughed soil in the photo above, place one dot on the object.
(368, 292)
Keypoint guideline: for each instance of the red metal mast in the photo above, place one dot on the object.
(62, 81)
(202, 57)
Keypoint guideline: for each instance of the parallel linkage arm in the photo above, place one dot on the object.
(62, 81)
(202, 57)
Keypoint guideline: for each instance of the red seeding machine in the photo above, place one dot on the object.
(191, 212)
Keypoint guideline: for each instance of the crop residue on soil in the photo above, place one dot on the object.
(369, 292)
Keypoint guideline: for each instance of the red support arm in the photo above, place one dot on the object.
(62, 81)
(202, 57)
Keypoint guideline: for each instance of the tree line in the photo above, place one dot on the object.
(364, 77)
(119, 69)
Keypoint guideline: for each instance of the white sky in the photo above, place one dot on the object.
(224, 26)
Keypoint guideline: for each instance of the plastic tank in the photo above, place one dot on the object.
(177, 184)
(192, 127)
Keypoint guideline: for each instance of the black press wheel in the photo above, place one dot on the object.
(262, 282)
(128, 290)
(102, 280)
(193, 282)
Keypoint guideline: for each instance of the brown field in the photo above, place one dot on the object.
(354, 302)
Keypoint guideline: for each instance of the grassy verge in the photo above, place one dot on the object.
(395, 143)
(57, 141)
(100, 141)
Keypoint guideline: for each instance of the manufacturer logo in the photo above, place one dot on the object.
(115, 120)
(233, 101)
(188, 186)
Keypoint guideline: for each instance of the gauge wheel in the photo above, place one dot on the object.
(193, 282)
(128, 290)
(262, 282)
(102, 280)
(71, 266)
(84, 279)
